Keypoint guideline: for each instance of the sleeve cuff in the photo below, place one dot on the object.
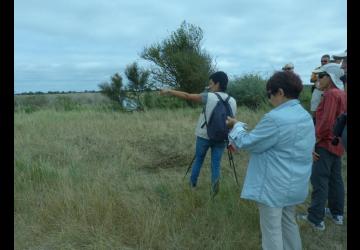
(235, 134)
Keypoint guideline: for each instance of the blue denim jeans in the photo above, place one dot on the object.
(217, 150)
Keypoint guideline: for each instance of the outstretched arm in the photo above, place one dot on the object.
(182, 95)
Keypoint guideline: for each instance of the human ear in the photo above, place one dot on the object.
(281, 92)
(217, 86)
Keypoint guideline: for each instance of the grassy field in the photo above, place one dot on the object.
(86, 179)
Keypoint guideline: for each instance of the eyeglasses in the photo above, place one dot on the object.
(288, 68)
(324, 61)
(321, 75)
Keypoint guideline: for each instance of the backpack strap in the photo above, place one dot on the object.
(220, 99)
(218, 96)
(226, 103)
(204, 111)
(205, 117)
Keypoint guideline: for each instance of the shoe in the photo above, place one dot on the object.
(327, 212)
(337, 219)
(192, 185)
(320, 226)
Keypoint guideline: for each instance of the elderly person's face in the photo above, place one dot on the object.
(276, 98)
(324, 60)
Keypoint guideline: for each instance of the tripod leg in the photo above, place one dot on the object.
(231, 162)
(189, 166)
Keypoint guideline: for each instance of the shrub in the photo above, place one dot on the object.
(65, 103)
(248, 90)
(179, 61)
(138, 82)
(113, 90)
(31, 103)
(305, 97)
(153, 100)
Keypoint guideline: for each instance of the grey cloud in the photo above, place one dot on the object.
(91, 39)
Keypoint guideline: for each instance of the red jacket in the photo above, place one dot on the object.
(332, 104)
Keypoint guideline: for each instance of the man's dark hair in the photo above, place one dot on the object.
(221, 78)
(288, 81)
(326, 55)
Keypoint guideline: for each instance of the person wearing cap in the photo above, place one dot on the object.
(340, 128)
(326, 176)
(316, 95)
(288, 67)
(341, 57)
(336, 60)
(315, 91)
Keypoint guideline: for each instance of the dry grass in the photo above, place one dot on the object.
(93, 180)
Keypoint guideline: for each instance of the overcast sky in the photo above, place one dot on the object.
(73, 45)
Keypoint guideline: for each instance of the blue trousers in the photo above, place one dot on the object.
(217, 150)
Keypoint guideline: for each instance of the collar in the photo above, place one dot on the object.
(288, 103)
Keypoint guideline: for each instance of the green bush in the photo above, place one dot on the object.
(248, 90)
(154, 100)
(180, 61)
(31, 103)
(305, 97)
(65, 103)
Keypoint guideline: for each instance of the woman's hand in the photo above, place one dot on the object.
(230, 122)
(316, 156)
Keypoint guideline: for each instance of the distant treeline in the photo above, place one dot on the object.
(56, 92)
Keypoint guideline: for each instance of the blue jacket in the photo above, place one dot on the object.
(281, 148)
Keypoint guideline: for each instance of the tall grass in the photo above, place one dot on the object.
(247, 90)
(86, 179)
